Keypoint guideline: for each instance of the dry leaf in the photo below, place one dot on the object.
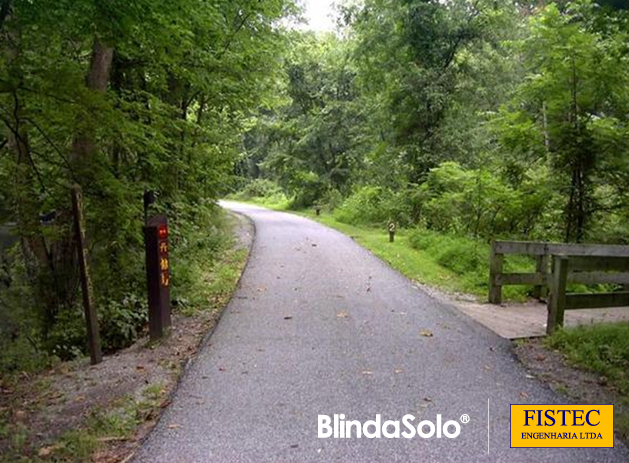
(426, 333)
(173, 426)
(367, 372)
(398, 370)
(46, 451)
(524, 395)
(342, 315)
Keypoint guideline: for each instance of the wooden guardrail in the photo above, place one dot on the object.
(584, 269)
(542, 251)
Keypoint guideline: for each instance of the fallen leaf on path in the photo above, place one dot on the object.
(398, 370)
(426, 333)
(524, 395)
(342, 315)
(46, 451)
(288, 318)
(428, 399)
(367, 372)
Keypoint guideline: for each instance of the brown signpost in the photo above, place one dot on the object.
(93, 335)
(158, 275)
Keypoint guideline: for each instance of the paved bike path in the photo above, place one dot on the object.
(321, 326)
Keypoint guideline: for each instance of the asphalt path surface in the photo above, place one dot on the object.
(319, 326)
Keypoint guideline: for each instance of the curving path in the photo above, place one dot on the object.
(321, 326)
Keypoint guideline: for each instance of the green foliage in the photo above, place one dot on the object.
(602, 348)
(468, 259)
(373, 205)
(478, 203)
(260, 188)
(120, 98)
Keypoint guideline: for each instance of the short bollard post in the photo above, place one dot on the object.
(317, 210)
(391, 232)
(158, 275)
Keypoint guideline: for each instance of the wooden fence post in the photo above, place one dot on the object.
(495, 268)
(93, 336)
(557, 300)
(540, 292)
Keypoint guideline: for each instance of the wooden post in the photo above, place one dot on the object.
(496, 261)
(391, 232)
(93, 335)
(148, 199)
(318, 210)
(541, 292)
(557, 299)
(158, 275)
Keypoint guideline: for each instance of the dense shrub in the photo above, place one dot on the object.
(260, 188)
(374, 205)
(478, 203)
(468, 258)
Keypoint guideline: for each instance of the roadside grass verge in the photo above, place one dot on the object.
(602, 349)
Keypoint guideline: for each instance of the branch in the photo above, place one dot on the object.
(233, 35)
(57, 150)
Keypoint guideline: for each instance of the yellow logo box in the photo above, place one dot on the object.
(562, 425)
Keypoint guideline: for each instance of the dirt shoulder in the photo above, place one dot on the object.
(121, 397)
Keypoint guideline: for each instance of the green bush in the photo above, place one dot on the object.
(478, 203)
(372, 205)
(468, 258)
(260, 188)
(461, 255)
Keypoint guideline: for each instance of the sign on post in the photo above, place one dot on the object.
(158, 275)
(391, 232)
(93, 335)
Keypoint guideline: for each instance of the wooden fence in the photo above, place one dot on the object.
(542, 253)
(584, 269)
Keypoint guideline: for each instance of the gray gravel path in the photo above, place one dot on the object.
(321, 326)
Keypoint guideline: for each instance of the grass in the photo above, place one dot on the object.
(211, 274)
(602, 349)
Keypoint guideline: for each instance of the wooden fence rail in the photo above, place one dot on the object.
(591, 269)
(542, 252)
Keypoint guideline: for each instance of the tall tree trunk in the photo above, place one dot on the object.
(84, 145)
